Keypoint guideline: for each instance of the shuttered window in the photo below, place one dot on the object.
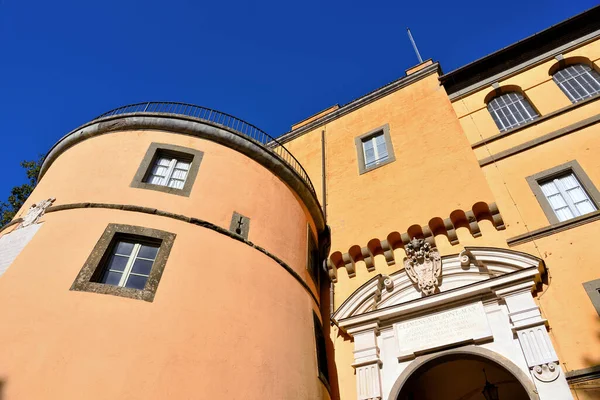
(321, 350)
(567, 197)
(169, 171)
(375, 150)
(578, 81)
(312, 263)
(511, 110)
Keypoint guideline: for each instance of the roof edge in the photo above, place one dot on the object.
(361, 102)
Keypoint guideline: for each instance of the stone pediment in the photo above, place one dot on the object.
(477, 270)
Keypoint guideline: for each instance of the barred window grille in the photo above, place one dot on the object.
(510, 110)
(578, 81)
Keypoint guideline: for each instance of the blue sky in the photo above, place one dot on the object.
(270, 63)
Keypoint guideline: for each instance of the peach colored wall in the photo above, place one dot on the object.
(227, 321)
(101, 169)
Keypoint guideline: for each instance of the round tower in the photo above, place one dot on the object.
(180, 259)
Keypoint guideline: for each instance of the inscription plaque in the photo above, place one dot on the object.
(12, 243)
(457, 325)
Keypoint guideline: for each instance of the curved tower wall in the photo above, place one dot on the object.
(230, 318)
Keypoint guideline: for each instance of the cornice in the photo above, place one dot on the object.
(178, 124)
(536, 121)
(540, 140)
(552, 229)
(485, 264)
(361, 102)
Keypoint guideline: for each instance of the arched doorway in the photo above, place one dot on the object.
(458, 375)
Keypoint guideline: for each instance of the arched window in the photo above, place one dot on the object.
(578, 81)
(510, 110)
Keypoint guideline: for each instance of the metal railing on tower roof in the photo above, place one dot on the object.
(222, 119)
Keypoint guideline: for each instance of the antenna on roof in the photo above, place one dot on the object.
(414, 45)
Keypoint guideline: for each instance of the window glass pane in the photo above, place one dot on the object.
(142, 267)
(111, 278)
(369, 152)
(549, 188)
(510, 110)
(163, 161)
(182, 165)
(179, 174)
(118, 263)
(148, 252)
(585, 207)
(380, 139)
(382, 151)
(159, 171)
(569, 181)
(136, 282)
(156, 180)
(123, 248)
(578, 81)
(557, 201)
(175, 183)
(564, 214)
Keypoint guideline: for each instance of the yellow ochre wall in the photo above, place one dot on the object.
(571, 256)
(227, 320)
(435, 173)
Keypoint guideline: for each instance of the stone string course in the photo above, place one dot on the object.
(191, 220)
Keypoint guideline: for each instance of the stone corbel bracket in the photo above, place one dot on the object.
(395, 240)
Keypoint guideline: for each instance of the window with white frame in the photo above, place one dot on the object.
(578, 81)
(129, 264)
(375, 150)
(127, 261)
(566, 196)
(169, 171)
(510, 110)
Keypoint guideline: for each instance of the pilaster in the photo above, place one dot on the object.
(530, 329)
(367, 363)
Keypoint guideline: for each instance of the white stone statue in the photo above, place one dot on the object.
(35, 212)
(423, 265)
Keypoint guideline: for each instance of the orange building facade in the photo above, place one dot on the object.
(432, 239)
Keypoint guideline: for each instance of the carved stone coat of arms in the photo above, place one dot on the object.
(423, 265)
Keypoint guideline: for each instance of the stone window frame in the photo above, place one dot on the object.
(592, 288)
(154, 150)
(358, 142)
(101, 251)
(571, 166)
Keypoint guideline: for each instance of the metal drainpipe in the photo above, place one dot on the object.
(324, 191)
